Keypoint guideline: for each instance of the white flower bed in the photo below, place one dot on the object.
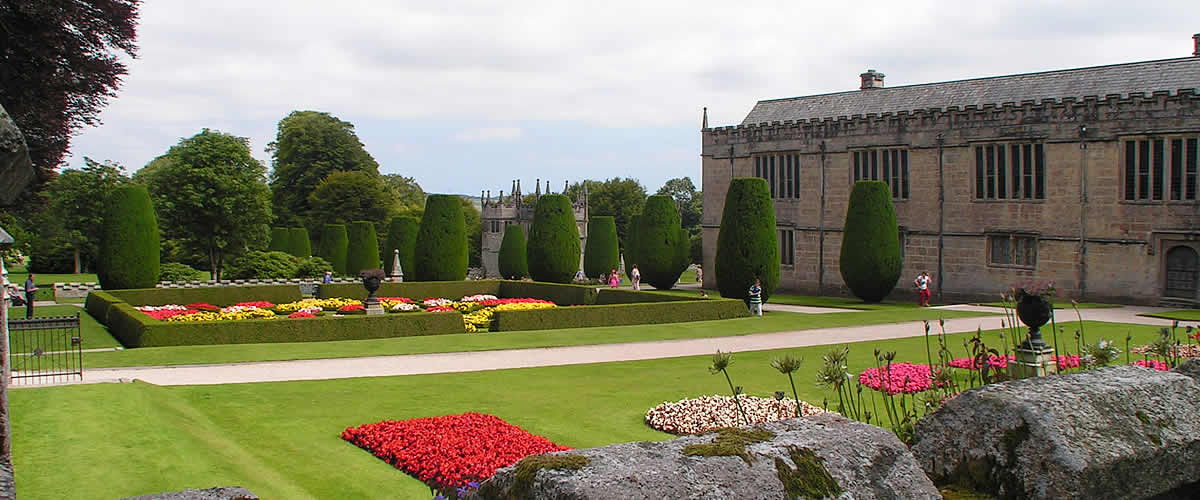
(168, 307)
(477, 298)
(434, 302)
(706, 413)
(405, 307)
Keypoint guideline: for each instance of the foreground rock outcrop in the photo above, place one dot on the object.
(820, 456)
(1121, 432)
(218, 493)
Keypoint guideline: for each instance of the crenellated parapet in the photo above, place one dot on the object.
(1103, 115)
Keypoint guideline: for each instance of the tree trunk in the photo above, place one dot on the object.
(77, 266)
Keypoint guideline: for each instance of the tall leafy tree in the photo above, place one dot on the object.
(77, 202)
(212, 196)
(345, 197)
(61, 67)
(687, 199)
(408, 197)
(619, 197)
(308, 147)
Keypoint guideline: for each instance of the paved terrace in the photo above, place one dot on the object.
(418, 364)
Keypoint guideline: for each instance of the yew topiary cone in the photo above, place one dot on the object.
(602, 253)
(441, 251)
(512, 262)
(129, 246)
(553, 247)
(870, 260)
(747, 244)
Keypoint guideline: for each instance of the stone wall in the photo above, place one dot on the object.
(1091, 242)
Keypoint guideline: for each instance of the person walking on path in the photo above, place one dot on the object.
(922, 283)
(30, 290)
(636, 277)
(756, 298)
(613, 279)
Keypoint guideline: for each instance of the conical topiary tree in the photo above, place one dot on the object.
(441, 251)
(747, 244)
(870, 261)
(402, 236)
(281, 240)
(300, 244)
(601, 254)
(661, 247)
(512, 263)
(630, 251)
(333, 246)
(362, 252)
(129, 246)
(553, 247)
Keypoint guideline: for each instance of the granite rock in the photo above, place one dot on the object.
(217, 493)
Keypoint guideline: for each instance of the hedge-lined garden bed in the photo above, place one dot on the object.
(119, 310)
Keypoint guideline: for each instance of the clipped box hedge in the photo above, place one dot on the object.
(563, 295)
(134, 329)
(415, 290)
(619, 314)
(217, 295)
(97, 304)
(608, 296)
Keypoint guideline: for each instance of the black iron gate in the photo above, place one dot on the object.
(45, 350)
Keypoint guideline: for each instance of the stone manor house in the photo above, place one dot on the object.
(503, 211)
(1087, 177)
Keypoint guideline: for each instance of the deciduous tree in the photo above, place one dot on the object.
(344, 197)
(308, 147)
(77, 202)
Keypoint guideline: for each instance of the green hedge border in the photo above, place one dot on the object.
(619, 315)
(605, 307)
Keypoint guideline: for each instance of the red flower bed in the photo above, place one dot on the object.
(450, 451)
(352, 308)
(261, 304)
(302, 314)
(496, 302)
(203, 306)
(163, 314)
(405, 300)
(995, 362)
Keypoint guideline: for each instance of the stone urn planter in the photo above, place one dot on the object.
(1034, 309)
(371, 281)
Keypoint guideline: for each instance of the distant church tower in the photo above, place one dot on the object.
(504, 211)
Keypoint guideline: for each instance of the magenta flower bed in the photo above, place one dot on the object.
(906, 378)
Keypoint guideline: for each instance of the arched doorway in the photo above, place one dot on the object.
(1182, 264)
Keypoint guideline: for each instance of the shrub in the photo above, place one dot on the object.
(553, 247)
(333, 247)
(870, 260)
(262, 265)
(561, 294)
(662, 245)
(602, 253)
(281, 240)
(175, 271)
(312, 267)
(441, 250)
(217, 295)
(747, 245)
(301, 246)
(512, 263)
(631, 244)
(363, 249)
(129, 246)
(402, 236)
(415, 290)
(607, 296)
(616, 315)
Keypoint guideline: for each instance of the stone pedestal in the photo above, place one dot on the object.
(372, 306)
(1035, 362)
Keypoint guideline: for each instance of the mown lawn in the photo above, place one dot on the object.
(45, 282)
(281, 440)
(93, 335)
(1179, 315)
(770, 322)
(1059, 305)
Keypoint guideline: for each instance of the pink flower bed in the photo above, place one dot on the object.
(1000, 362)
(906, 378)
(1153, 364)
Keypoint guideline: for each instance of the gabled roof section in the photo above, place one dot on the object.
(1148, 76)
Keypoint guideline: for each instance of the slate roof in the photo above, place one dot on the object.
(1148, 76)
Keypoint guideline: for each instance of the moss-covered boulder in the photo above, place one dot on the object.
(512, 263)
(870, 260)
(553, 247)
(441, 252)
(747, 244)
(602, 252)
(129, 246)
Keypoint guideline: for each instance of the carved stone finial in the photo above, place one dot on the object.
(704, 121)
(537, 188)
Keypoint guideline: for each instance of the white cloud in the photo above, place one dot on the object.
(488, 134)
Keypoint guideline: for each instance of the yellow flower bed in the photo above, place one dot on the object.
(331, 304)
(224, 316)
(524, 306)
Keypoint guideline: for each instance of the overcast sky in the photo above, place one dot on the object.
(466, 96)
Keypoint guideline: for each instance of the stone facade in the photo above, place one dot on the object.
(1084, 233)
(503, 211)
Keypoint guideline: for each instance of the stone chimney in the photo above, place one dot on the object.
(871, 80)
(1196, 42)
